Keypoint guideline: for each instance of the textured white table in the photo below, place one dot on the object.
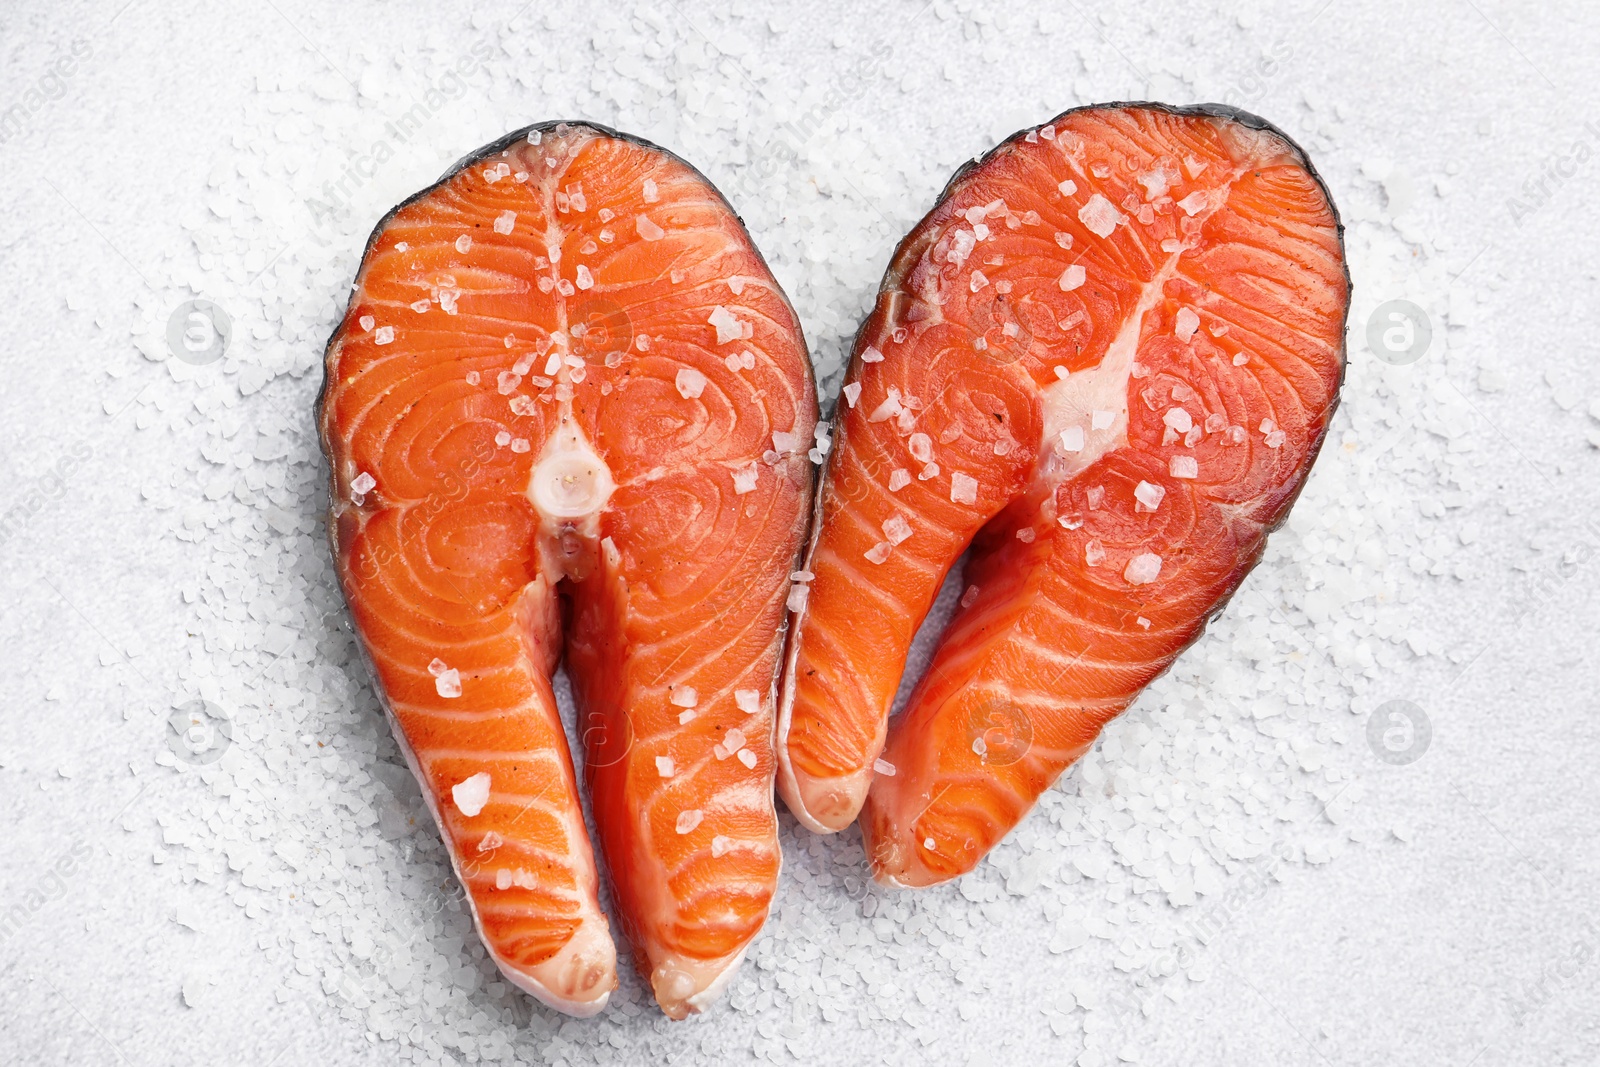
(1453, 129)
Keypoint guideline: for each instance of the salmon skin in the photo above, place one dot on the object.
(1105, 360)
(567, 413)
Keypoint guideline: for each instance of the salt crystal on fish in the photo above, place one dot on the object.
(797, 597)
(889, 408)
(728, 326)
(363, 483)
(437, 667)
(720, 845)
(691, 383)
(1184, 467)
(1194, 203)
(871, 355)
(448, 684)
(383, 335)
(585, 277)
(685, 696)
(921, 447)
(648, 229)
(1072, 278)
(963, 488)
(649, 191)
(1179, 419)
(878, 552)
(978, 280)
(688, 820)
(367, 322)
(744, 478)
(1149, 496)
(1096, 496)
(899, 478)
(505, 222)
(1063, 238)
(463, 242)
(734, 739)
(1240, 359)
(1143, 569)
(507, 381)
(1216, 422)
(665, 767)
(747, 757)
(502, 438)
(685, 717)
(1101, 420)
(1094, 553)
(1068, 187)
(747, 700)
(1100, 215)
(421, 306)
(851, 392)
(472, 794)
(929, 470)
(1275, 439)
(1072, 439)
(896, 529)
(490, 842)
(1026, 535)
(1185, 324)
(502, 878)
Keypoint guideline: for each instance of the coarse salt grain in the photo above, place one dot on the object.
(1072, 278)
(744, 478)
(896, 529)
(1184, 467)
(690, 382)
(472, 794)
(665, 768)
(1072, 439)
(1100, 216)
(899, 478)
(648, 229)
(1185, 324)
(963, 488)
(688, 820)
(1148, 496)
(747, 700)
(1143, 569)
(383, 335)
(448, 684)
(685, 696)
(505, 222)
(851, 392)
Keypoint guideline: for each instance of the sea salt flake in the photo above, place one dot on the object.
(798, 595)
(1275, 439)
(896, 529)
(729, 328)
(1026, 535)
(505, 222)
(383, 335)
(747, 700)
(883, 767)
(747, 757)
(448, 684)
(585, 278)
(1101, 420)
(1184, 467)
(1148, 495)
(363, 483)
(463, 242)
(899, 478)
(651, 195)
(648, 229)
(851, 392)
(1072, 278)
(978, 280)
(1100, 216)
(686, 717)
(921, 447)
(1094, 553)
(1072, 439)
(1178, 418)
(1068, 187)
(691, 383)
(665, 767)
(879, 552)
(472, 794)
(963, 488)
(690, 819)
(1186, 323)
(367, 322)
(502, 878)
(744, 478)
(1194, 203)
(1142, 569)
(871, 355)
(684, 696)
(437, 667)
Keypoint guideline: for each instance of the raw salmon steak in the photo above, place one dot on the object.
(568, 411)
(1105, 361)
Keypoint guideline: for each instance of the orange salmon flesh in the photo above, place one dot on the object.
(1105, 362)
(567, 415)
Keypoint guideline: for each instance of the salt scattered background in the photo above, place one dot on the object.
(1232, 876)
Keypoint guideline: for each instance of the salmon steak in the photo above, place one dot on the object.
(567, 416)
(1101, 366)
